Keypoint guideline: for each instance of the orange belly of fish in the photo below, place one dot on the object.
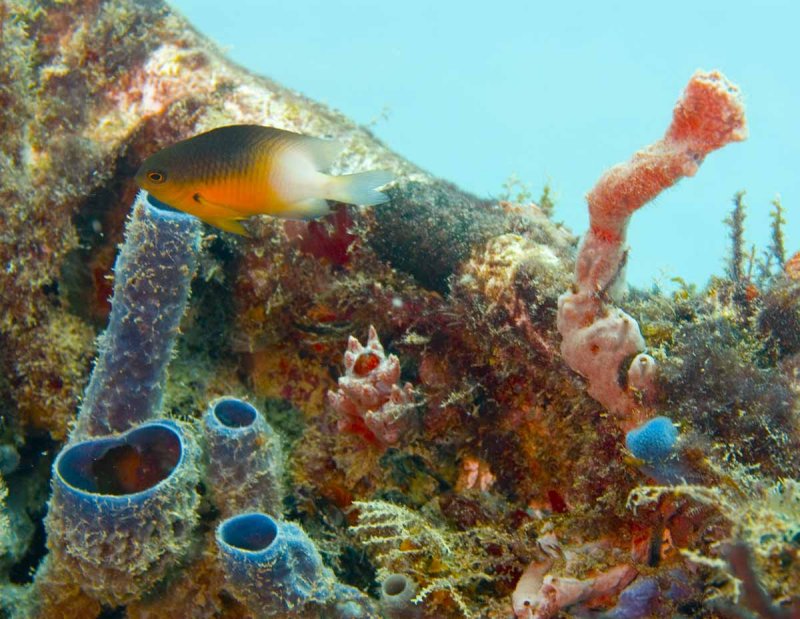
(244, 198)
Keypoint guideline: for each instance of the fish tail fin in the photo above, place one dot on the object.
(359, 188)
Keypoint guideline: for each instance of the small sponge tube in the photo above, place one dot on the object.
(123, 509)
(244, 460)
(272, 566)
(397, 597)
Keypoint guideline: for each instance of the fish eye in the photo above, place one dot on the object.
(156, 176)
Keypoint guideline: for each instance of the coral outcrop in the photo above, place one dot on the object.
(499, 450)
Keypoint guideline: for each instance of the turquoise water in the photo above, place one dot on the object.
(548, 91)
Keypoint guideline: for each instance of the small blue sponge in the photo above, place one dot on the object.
(272, 565)
(653, 441)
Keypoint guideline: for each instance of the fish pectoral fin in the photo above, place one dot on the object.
(229, 224)
(220, 216)
(311, 208)
(215, 209)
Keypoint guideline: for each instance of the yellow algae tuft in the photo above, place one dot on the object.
(53, 369)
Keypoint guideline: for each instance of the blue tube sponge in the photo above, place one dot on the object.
(653, 441)
(152, 277)
(272, 566)
(245, 465)
(124, 509)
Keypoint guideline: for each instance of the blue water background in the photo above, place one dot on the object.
(550, 91)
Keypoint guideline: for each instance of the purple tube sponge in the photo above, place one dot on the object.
(244, 458)
(272, 566)
(123, 509)
(639, 599)
(152, 277)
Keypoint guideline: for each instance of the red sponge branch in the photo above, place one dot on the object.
(600, 340)
(709, 115)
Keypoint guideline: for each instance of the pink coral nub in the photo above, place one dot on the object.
(370, 400)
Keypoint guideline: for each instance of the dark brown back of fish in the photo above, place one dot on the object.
(221, 152)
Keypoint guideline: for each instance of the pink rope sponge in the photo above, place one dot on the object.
(598, 338)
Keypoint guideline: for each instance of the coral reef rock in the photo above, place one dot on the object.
(515, 449)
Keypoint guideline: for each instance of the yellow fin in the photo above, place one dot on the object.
(215, 210)
(219, 216)
(229, 224)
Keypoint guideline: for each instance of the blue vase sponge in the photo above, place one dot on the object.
(124, 509)
(273, 568)
(272, 565)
